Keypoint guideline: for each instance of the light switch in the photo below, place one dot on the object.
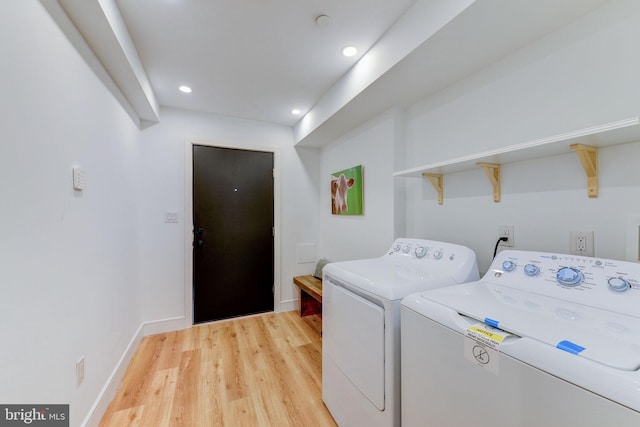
(171, 217)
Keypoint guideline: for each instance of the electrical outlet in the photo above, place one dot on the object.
(80, 371)
(633, 238)
(506, 230)
(581, 243)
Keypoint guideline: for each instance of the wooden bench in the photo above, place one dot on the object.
(309, 295)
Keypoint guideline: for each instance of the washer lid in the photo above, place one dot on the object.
(605, 337)
(385, 278)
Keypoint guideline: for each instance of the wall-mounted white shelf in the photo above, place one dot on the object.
(581, 141)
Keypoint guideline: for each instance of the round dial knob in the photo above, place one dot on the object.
(618, 284)
(437, 254)
(397, 247)
(420, 251)
(569, 276)
(531, 270)
(508, 265)
(406, 249)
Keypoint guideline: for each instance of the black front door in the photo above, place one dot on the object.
(233, 252)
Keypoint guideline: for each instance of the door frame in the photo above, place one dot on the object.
(188, 219)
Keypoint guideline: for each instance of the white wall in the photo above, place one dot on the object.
(69, 281)
(370, 235)
(579, 76)
(583, 75)
(80, 272)
(165, 273)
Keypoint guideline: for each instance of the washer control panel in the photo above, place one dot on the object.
(597, 282)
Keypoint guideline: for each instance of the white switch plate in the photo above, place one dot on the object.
(171, 217)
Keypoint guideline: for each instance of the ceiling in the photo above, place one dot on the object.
(258, 59)
(254, 59)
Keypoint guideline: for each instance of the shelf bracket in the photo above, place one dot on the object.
(436, 180)
(492, 170)
(588, 156)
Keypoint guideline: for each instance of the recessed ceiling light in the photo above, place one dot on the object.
(349, 50)
(296, 112)
(185, 89)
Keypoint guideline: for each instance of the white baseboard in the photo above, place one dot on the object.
(107, 393)
(165, 325)
(288, 305)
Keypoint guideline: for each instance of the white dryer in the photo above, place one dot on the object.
(361, 324)
(542, 340)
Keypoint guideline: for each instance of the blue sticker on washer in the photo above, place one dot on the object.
(569, 347)
(491, 322)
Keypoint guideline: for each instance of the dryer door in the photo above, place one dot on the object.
(353, 337)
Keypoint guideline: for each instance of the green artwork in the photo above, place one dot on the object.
(347, 192)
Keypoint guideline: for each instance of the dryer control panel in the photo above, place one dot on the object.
(596, 282)
(420, 249)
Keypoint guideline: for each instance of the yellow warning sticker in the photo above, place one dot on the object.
(498, 337)
(482, 346)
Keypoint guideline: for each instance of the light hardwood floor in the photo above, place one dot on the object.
(261, 370)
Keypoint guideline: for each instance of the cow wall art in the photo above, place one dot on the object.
(346, 192)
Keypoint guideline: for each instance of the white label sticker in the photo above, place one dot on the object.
(482, 346)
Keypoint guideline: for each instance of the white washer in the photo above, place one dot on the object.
(361, 324)
(542, 340)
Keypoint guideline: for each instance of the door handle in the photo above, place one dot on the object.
(199, 241)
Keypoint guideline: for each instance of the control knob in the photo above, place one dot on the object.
(508, 265)
(531, 270)
(420, 251)
(397, 247)
(437, 254)
(406, 249)
(569, 276)
(618, 284)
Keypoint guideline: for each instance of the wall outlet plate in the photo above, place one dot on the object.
(80, 371)
(633, 238)
(306, 253)
(581, 242)
(506, 230)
